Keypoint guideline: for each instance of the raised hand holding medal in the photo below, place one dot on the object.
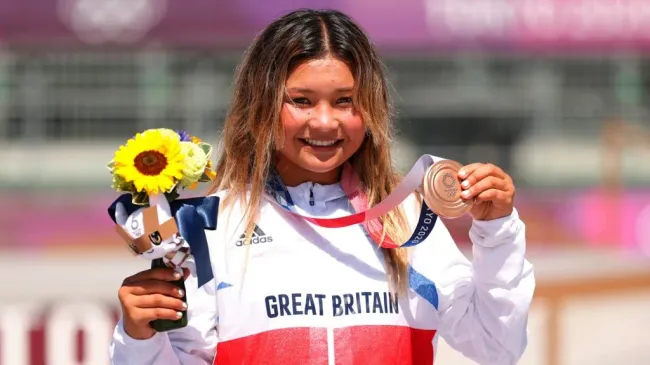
(484, 191)
(491, 189)
(151, 169)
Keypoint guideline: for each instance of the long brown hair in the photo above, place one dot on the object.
(253, 127)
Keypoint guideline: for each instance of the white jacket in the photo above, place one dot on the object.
(302, 294)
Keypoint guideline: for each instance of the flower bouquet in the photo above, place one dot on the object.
(160, 161)
(150, 170)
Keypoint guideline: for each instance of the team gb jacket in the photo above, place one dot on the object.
(302, 294)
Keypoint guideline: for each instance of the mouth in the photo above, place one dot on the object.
(321, 143)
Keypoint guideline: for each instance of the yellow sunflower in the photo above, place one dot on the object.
(152, 161)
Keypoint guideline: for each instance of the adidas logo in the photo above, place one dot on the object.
(258, 237)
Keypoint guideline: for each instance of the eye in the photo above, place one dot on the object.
(302, 102)
(345, 101)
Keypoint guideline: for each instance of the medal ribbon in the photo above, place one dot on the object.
(367, 217)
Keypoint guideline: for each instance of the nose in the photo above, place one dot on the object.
(324, 117)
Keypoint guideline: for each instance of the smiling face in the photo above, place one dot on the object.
(322, 129)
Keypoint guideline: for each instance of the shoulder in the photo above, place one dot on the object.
(230, 224)
(412, 207)
(231, 211)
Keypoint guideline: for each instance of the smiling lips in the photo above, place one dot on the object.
(321, 143)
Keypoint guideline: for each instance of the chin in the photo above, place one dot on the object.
(320, 167)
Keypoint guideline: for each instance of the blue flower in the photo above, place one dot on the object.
(184, 136)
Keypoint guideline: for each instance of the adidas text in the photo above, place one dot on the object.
(258, 237)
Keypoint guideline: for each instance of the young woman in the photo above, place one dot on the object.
(310, 98)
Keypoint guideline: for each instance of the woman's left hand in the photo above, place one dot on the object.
(492, 189)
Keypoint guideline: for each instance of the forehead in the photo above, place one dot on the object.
(321, 73)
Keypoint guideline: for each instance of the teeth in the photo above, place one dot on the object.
(316, 142)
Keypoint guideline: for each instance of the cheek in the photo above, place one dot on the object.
(354, 128)
(290, 122)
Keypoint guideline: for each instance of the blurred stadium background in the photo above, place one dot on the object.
(557, 92)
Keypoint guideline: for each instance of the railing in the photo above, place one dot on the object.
(557, 293)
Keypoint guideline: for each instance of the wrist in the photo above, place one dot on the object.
(138, 332)
(494, 217)
(494, 232)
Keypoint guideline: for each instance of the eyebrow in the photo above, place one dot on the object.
(310, 91)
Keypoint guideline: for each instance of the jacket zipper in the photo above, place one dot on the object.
(311, 196)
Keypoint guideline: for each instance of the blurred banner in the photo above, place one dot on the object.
(413, 24)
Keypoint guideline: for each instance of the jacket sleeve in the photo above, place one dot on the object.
(483, 304)
(193, 345)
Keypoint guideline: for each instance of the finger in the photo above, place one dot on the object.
(165, 274)
(145, 315)
(151, 286)
(493, 195)
(481, 173)
(468, 169)
(490, 182)
(158, 301)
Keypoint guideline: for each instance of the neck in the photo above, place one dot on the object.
(293, 175)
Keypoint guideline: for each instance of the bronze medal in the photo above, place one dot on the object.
(441, 189)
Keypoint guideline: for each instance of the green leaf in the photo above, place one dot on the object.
(120, 184)
(207, 148)
(111, 165)
(172, 195)
(174, 187)
(140, 198)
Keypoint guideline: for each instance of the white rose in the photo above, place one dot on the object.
(195, 162)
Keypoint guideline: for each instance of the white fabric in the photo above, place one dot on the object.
(134, 225)
(481, 308)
